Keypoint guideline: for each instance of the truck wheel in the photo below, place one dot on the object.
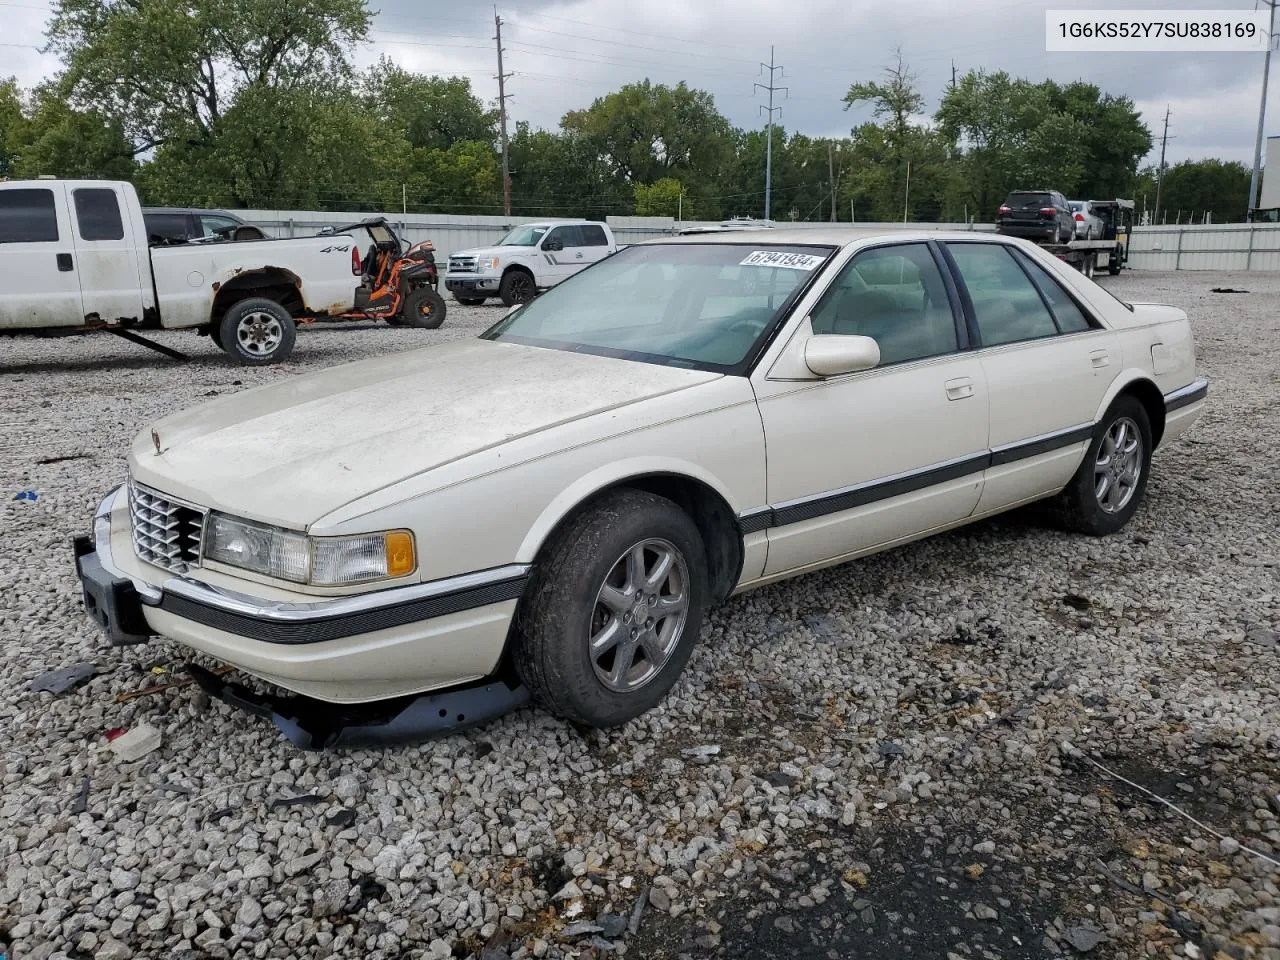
(422, 308)
(469, 301)
(1089, 265)
(516, 287)
(1113, 267)
(257, 331)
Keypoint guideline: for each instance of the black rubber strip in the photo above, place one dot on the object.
(1187, 399)
(1033, 448)
(342, 625)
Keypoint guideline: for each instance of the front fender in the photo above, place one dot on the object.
(602, 478)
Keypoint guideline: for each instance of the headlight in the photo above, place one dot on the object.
(321, 561)
(490, 264)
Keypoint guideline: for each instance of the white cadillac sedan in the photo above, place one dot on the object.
(564, 498)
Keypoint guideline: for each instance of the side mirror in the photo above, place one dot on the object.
(830, 355)
(555, 243)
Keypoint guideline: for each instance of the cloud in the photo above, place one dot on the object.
(565, 53)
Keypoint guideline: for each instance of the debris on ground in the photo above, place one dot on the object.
(28, 495)
(302, 800)
(1227, 290)
(341, 818)
(81, 803)
(65, 678)
(136, 743)
(160, 688)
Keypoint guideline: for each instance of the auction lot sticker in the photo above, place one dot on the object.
(773, 258)
(1154, 31)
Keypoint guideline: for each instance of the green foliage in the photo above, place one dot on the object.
(427, 111)
(662, 198)
(1194, 187)
(13, 126)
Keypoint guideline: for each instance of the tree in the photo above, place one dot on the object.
(1010, 136)
(662, 198)
(562, 173)
(13, 124)
(172, 69)
(1195, 187)
(1113, 136)
(427, 111)
(647, 131)
(61, 141)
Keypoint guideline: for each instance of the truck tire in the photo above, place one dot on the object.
(422, 308)
(469, 301)
(256, 332)
(517, 287)
(1113, 265)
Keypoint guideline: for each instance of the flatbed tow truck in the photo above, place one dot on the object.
(1111, 252)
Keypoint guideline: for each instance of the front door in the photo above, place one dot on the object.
(41, 287)
(869, 458)
(562, 253)
(111, 278)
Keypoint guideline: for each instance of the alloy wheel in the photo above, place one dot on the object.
(1118, 466)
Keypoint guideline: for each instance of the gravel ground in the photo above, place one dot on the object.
(895, 758)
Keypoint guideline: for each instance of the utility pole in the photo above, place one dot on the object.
(1262, 113)
(831, 172)
(768, 150)
(953, 74)
(502, 113)
(1164, 140)
(906, 193)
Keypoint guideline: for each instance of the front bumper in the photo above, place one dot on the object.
(347, 649)
(464, 284)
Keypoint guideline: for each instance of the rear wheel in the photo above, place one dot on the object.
(1113, 267)
(1056, 238)
(517, 287)
(1111, 481)
(422, 308)
(613, 610)
(1089, 265)
(256, 332)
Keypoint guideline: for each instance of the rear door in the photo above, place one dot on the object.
(1048, 365)
(595, 244)
(107, 254)
(39, 285)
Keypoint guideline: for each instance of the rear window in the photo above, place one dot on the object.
(1021, 201)
(167, 226)
(593, 236)
(28, 216)
(98, 214)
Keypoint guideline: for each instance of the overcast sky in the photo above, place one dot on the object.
(564, 53)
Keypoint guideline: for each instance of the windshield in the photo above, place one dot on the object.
(523, 237)
(705, 306)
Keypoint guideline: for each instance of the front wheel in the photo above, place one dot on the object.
(613, 610)
(1113, 267)
(256, 332)
(422, 308)
(517, 287)
(1111, 481)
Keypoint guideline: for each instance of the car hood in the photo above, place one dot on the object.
(295, 450)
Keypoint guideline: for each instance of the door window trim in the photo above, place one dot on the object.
(87, 193)
(1025, 262)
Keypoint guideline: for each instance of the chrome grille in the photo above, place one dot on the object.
(165, 532)
(462, 264)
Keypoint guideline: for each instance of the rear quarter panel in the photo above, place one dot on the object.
(188, 276)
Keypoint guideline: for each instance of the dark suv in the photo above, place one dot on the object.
(1042, 215)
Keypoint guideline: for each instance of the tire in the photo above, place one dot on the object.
(1089, 265)
(256, 332)
(1080, 508)
(469, 301)
(1114, 265)
(1057, 234)
(517, 286)
(563, 608)
(422, 308)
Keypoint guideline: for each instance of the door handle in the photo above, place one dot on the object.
(1099, 358)
(64, 263)
(959, 388)
(579, 254)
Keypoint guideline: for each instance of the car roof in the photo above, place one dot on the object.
(829, 236)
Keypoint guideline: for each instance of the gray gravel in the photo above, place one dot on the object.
(890, 780)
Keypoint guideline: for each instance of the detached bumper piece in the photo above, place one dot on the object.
(316, 725)
(112, 602)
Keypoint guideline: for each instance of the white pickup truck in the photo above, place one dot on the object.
(75, 257)
(532, 257)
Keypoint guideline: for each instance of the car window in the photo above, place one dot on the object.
(1006, 305)
(1071, 319)
(567, 235)
(210, 224)
(593, 235)
(98, 214)
(28, 216)
(896, 296)
(170, 226)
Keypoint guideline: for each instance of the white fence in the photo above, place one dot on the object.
(451, 232)
(1238, 246)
